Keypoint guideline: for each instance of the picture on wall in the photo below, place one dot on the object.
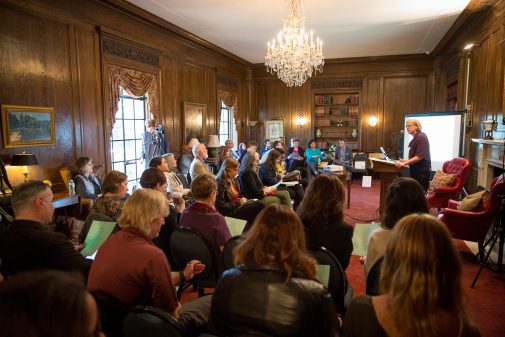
(24, 126)
(274, 129)
(193, 121)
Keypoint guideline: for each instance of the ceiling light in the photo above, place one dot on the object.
(294, 56)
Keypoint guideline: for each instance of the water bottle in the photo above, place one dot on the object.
(71, 187)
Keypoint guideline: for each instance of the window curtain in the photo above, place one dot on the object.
(230, 100)
(135, 83)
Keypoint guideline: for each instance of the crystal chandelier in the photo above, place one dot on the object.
(294, 55)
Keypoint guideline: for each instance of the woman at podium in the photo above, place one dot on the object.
(419, 154)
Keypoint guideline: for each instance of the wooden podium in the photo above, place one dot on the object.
(388, 172)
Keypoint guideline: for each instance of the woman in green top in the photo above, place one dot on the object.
(313, 155)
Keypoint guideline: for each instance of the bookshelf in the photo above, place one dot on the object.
(336, 115)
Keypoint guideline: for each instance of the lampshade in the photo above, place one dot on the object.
(213, 141)
(24, 159)
(193, 141)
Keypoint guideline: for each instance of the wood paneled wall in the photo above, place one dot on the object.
(51, 55)
(482, 23)
(391, 87)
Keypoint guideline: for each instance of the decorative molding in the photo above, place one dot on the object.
(336, 83)
(129, 51)
(227, 81)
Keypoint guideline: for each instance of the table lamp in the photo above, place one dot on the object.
(193, 141)
(213, 145)
(24, 159)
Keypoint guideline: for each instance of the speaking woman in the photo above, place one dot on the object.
(419, 154)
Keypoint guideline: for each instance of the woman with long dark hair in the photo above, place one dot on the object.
(404, 196)
(274, 275)
(251, 186)
(229, 199)
(322, 215)
(421, 283)
(270, 176)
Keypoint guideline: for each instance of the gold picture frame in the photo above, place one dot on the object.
(24, 126)
(194, 114)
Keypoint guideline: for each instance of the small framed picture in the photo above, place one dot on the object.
(274, 129)
(24, 126)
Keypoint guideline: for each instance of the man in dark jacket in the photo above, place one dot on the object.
(29, 244)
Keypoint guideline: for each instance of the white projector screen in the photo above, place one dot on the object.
(444, 131)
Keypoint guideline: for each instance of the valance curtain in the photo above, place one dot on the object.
(135, 83)
(230, 100)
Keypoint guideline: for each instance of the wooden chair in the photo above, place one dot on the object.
(150, 321)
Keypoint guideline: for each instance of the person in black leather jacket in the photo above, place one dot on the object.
(273, 291)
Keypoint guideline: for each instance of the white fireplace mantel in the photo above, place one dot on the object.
(490, 155)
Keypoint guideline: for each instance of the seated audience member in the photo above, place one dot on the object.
(272, 291)
(229, 200)
(252, 146)
(313, 155)
(269, 176)
(87, 185)
(268, 147)
(198, 166)
(343, 154)
(322, 213)
(130, 270)
(296, 156)
(185, 160)
(28, 243)
(175, 184)
(404, 196)
(223, 152)
(251, 186)
(154, 179)
(233, 153)
(202, 214)
(110, 203)
(47, 303)
(241, 151)
(421, 283)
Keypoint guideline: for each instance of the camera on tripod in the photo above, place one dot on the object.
(158, 131)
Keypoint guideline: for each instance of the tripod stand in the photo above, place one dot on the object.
(498, 234)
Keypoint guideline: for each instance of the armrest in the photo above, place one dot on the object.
(449, 212)
(453, 204)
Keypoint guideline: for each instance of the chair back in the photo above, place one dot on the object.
(496, 194)
(360, 157)
(373, 279)
(439, 198)
(89, 221)
(229, 251)
(150, 321)
(337, 283)
(66, 175)
(187, 244)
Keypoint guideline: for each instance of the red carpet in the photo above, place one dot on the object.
(485, 303)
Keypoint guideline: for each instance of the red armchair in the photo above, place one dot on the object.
(439, 197)
(473, 226)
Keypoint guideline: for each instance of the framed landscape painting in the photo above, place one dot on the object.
(24, 126)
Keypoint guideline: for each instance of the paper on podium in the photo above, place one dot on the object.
(323, 274)
(98, 233)
(236, 226)
(360, 237)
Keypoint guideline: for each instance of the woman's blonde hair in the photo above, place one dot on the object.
(421, 273)
(277, 239)
(414, 122)
(141, 209)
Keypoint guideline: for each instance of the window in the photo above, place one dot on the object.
(126, 146)
(227, 125)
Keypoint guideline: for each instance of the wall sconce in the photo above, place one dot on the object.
(372, 120)
(251, 125)
(24, 160)
(300, 120)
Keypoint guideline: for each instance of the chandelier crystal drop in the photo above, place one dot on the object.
(294, 55)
